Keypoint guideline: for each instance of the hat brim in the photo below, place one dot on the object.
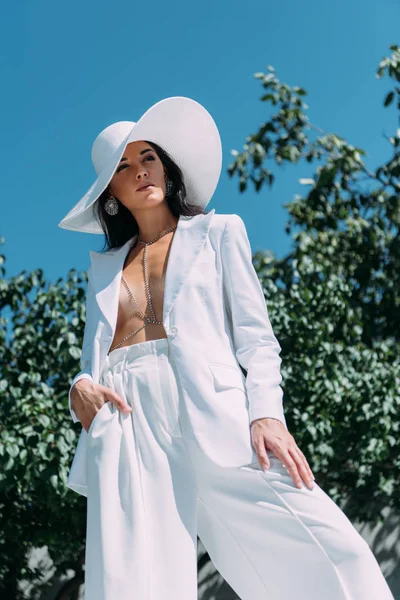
(187, 132)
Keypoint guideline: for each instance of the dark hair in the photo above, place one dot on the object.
(119, 228)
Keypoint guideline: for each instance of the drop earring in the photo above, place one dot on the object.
(111, 206)
(169, 187)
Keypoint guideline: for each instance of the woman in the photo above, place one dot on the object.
(176, 440)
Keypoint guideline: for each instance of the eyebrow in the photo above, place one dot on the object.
(140, 153)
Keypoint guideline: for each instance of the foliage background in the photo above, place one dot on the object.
(333, 302)
(335, 298)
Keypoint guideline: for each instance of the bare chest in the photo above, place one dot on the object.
(144, 274)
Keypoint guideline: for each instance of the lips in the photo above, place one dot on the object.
(146, 185)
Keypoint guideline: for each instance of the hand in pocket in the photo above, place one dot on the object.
(87, 399)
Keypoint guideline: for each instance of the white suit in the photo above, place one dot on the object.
(269, 539)
(216, 319)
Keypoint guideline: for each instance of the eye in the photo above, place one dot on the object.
(121, 167)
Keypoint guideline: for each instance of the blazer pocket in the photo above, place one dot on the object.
(227, 376)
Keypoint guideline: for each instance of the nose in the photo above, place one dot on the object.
(141, 173)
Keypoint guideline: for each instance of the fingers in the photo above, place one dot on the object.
(88, 414)
(311, 474)
(111, 396)
(291, 456)
(108, 396)
(297, 467)
(262, 455)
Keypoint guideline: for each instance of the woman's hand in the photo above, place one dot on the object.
(272, 434)
(87, 398)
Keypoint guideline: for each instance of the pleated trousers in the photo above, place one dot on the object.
(151, 492)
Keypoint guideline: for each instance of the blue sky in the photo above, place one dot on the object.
(68, 70)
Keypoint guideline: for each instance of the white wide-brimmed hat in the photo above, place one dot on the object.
(183, 128)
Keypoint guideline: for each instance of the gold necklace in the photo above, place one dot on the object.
(147, 288)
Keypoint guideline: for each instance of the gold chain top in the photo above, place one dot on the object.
(138, 312)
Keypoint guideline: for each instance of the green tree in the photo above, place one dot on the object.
(334, 299)
(333, 302)
(41, 329)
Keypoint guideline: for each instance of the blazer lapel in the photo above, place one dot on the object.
(188, 240)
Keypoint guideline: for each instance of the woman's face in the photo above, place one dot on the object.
(139, 165)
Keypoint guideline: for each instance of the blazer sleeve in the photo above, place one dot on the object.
(256, 347)
(85, 359)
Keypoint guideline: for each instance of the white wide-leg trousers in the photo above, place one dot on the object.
(151, 491)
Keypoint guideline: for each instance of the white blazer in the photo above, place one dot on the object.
(217, 323)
